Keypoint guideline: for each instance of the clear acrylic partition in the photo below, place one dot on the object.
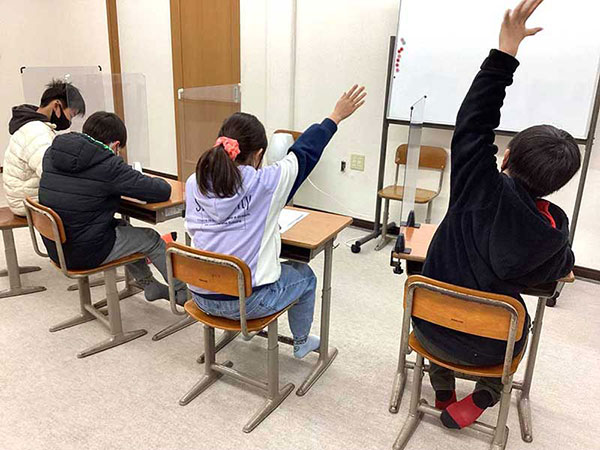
(411, 171)
(202, 111)
(97, 89)
(36, 79)
(125, 95)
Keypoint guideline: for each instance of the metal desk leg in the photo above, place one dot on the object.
(326, 355)
(523, 405)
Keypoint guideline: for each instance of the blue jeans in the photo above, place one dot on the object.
(297, 282)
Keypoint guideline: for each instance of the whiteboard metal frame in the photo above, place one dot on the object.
(587, 142)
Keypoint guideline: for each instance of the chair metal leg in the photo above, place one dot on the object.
(225, 339)
(13, 270)
(429, 210)
(210, 375)
(501, 432)
(384, 225)
(114, 319)
(523, 403)
(400, 378)
(275, 396)
(414, 415)
(85, 298)
(174, 328)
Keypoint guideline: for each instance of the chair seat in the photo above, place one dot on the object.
(9, 221)
(479, 371)
(116, 263)
(397, 193)
(226, 324)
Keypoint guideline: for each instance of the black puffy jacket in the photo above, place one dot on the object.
(83, 181)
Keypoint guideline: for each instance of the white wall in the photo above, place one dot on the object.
(145, 41)
(47, 33)
(340, 43)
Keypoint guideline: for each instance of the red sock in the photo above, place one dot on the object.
(461, 414)
(443, 404)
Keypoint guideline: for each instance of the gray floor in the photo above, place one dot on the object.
(126, 398)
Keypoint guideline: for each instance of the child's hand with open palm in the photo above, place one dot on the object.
(514, 28)
(348, 103)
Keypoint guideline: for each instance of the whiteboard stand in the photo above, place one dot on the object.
(588, 142)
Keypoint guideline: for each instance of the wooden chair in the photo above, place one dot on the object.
(8, 222)
(49, 224)
(295, 134)
(227, 275)
(432, 158)
(479, 313)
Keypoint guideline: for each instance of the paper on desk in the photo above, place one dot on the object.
(289, 217)
(134, 200)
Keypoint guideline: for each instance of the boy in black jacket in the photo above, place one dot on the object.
(83, 180)
(498, 235)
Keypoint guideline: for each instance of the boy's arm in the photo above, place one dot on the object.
(39, 146)
(309, 147)
(473, 150)
(473, 153)
(131, 183)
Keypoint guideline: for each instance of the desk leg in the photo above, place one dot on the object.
(326, 355)
(523, 405)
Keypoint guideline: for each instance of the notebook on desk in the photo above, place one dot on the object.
(289, 217)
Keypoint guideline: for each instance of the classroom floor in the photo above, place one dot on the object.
(126, 398)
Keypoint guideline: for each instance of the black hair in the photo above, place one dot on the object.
(69, 96)
(216, 173)
(543, 158)
(106, 127)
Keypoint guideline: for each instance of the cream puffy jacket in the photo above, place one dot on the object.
(23, 162)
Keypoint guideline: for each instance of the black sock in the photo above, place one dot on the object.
(443, 396)
(482, 399)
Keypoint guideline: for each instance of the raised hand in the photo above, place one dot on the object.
(348, 103)
(514, 28)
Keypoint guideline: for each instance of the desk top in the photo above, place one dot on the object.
(315, 229)
(418, 240)
(177, 197)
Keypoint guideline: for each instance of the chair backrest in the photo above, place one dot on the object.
(469, 311)
(49, 224)
(295, 134)
(430, 157)
(45, 221)
(215, 272)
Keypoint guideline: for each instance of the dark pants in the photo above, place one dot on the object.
(442, 379)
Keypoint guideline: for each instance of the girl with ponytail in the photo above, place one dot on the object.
(233, 207)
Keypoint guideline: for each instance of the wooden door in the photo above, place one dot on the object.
(206, 52)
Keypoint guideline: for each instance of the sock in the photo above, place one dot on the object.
(443, 399)
(153, 290)
(304, 347)
(462, 414)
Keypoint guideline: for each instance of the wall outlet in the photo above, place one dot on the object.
(357, 162)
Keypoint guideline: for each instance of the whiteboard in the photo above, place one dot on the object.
(446, 42)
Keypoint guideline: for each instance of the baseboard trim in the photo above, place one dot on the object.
(169, 176)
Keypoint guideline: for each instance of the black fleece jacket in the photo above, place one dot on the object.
(493, 237)
(83, 181)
